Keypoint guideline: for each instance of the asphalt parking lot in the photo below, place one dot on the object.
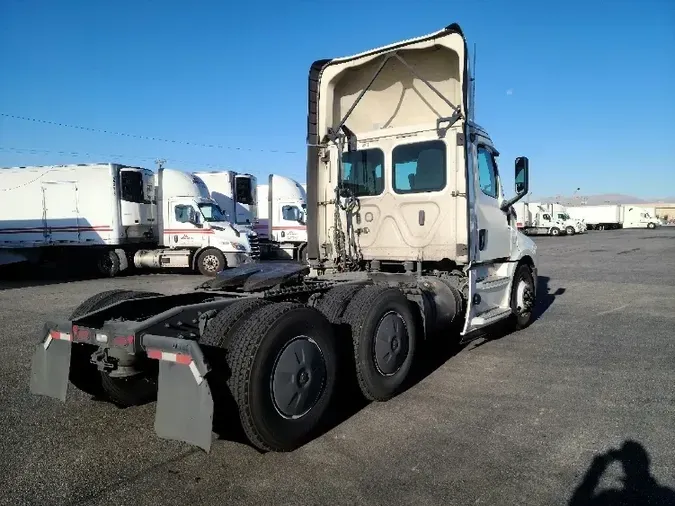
(517, 420)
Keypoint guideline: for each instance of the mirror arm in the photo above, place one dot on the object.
(508, 203)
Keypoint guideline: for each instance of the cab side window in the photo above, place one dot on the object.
(487, 173)
(547, 217)
(184, 214)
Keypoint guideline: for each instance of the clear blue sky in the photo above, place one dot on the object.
(586, 89)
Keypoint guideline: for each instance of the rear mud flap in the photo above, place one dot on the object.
(50, 368)
(184, 406)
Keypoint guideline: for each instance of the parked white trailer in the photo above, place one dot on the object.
(633, 216)
(281, 227)
(74, 213)
(532, 219)
(107, 214)
(601, 217)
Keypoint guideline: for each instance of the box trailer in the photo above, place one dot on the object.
(281, 227)
(410, 239)
(601, 217)
(112, 216)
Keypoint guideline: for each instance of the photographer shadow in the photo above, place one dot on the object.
(639, 486)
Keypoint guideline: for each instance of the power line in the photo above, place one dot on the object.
(142, 137)
(114, 156)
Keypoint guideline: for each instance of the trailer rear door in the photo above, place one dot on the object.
(61, 216)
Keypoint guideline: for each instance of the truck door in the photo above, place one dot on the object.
(492, 239)
(185, 225)
(494, 231)
(61, 215)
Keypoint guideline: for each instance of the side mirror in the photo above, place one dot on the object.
(522, 175)
(522, 168)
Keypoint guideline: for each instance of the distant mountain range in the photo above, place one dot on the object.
(593, 200)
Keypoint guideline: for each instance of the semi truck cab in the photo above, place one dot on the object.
(193, 227)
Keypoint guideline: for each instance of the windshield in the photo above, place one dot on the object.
(212, 212)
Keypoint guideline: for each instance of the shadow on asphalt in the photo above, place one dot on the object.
(639, 486)
(545, 298)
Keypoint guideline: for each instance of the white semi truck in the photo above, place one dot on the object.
(236, 195)
(410, 239)
(534, 219)
(281, 227)
(559, 212)
(114, 216)
(633, 216)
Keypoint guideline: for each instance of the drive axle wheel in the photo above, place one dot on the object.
(570, 230)
(384, 336)
(284, 365)
(555, 231)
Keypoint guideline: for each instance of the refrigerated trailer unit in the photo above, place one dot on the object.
(601, 217)
(89, 212)
(410, 238)
(113, 216)
(281, 227)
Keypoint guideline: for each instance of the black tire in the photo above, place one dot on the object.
(364, 314)
(570, 231)
(555, 231)
(334, 302)
(219, 329)
(85, 376)
(651, 225)
(210, 262)
(108, 264)
(522, 317)
(95, 302)
(269, 332)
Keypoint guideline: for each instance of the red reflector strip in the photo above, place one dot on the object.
(170, 357)
(63, 336)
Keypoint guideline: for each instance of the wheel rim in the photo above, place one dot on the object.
(391, 343)
(298, 377)
(210, 262)
(524, 297)
(105, 263)
(570, 231)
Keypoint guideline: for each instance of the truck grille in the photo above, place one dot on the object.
(254, 241)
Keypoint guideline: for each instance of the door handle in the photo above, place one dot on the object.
(482, 239)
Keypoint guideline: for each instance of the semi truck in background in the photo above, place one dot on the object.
(113, 217)
(559, 212)
(633, 216)
(236, 195)
(282, 227)
(410, 240)
(614, 216)
(532, 219)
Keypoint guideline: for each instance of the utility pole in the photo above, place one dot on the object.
(160, 163)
